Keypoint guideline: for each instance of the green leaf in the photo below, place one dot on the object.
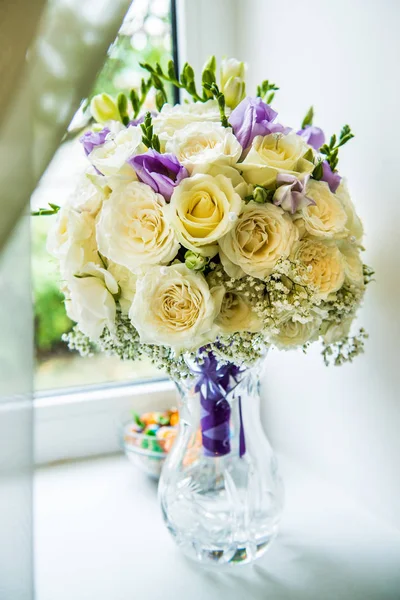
(318, 172)
(308, 119)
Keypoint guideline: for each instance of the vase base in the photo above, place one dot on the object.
(240, 553)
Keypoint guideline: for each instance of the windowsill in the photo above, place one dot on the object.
(99, 534)
(87, 422)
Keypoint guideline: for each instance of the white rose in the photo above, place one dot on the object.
(324, 265)
(354, 225)
(90, 300)
(126, 281)
(172, 118)
(327, 217)
(200, 144)
(237, 314)
(203, 209)
(353, 264)
(89, 194)
(72, 240)
(293, 333)
(132, 229)
(262, 235)
(276, 153)
(110, 158)
(335, 332)
(174, 306)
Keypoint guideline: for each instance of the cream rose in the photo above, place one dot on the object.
(327, 217)
(172, 118)
(90, 300)
(200, 144)
(126, 281)
(353, 265)
(293, 333)
(276, 153)
(354, 226)
(72, 240)
(174, 306)
(132, 229)
(324, 265)
(262, 235)
(335, 332)
(203, 209)
(237, 314)
(110, 158)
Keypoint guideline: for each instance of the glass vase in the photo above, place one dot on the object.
(220, 491)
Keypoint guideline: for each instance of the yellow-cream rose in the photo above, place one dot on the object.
(262, 235)
(293, 333)
(327, 217)
(354, 226)
(200, 144)
(132, 229)
(203, 209)
(174, 306)
(90, 300)
(237, 314)
(72, 239)
(324, 265)
(110, 158)
(126, 281)
(353, 265)
(276, 153)
(335, 332)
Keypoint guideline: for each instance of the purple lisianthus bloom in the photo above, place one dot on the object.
(291, 192)
(332, 178)
(162, 172)
(92, 139)
(314, 136)
(254, 117)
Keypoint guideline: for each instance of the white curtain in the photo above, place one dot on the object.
(38, 99)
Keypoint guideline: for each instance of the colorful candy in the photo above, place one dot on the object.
(153, 431)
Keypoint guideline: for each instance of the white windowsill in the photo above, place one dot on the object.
(99, 535)
(86, 423)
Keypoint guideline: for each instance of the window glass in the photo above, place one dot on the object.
(145, 36)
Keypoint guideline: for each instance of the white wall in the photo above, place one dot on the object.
(342, 57)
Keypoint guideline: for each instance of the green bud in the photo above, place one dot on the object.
(234, 91)
(194, 261)
(104, 108)
(260, 195)
(211, 64)
(318, 172)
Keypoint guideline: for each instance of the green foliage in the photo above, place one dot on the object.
(266, 91)
(308, 119)
(51, 320)
(53, 210)
(331, 150)
(220, 98)
(149, 138)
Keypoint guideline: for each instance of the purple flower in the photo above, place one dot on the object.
(291, 192)
(162, 172)
(313, 136)
(92, 139)
(332, 178)
(253, 117)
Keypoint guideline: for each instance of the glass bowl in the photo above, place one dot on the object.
(147, 452)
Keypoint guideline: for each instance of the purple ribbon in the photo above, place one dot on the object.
(214, 382)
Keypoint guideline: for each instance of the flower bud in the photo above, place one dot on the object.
(260, 195)
(230, 67)
(194, 261)
(104, 108)
(234, 91)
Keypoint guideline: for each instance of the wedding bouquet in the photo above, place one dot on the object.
(209, 226)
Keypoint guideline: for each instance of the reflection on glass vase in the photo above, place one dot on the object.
(220, 492)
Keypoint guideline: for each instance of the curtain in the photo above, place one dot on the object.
(67, 43)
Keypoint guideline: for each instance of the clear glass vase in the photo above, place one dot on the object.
(220, 491)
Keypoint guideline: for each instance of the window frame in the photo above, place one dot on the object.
(72, 424)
